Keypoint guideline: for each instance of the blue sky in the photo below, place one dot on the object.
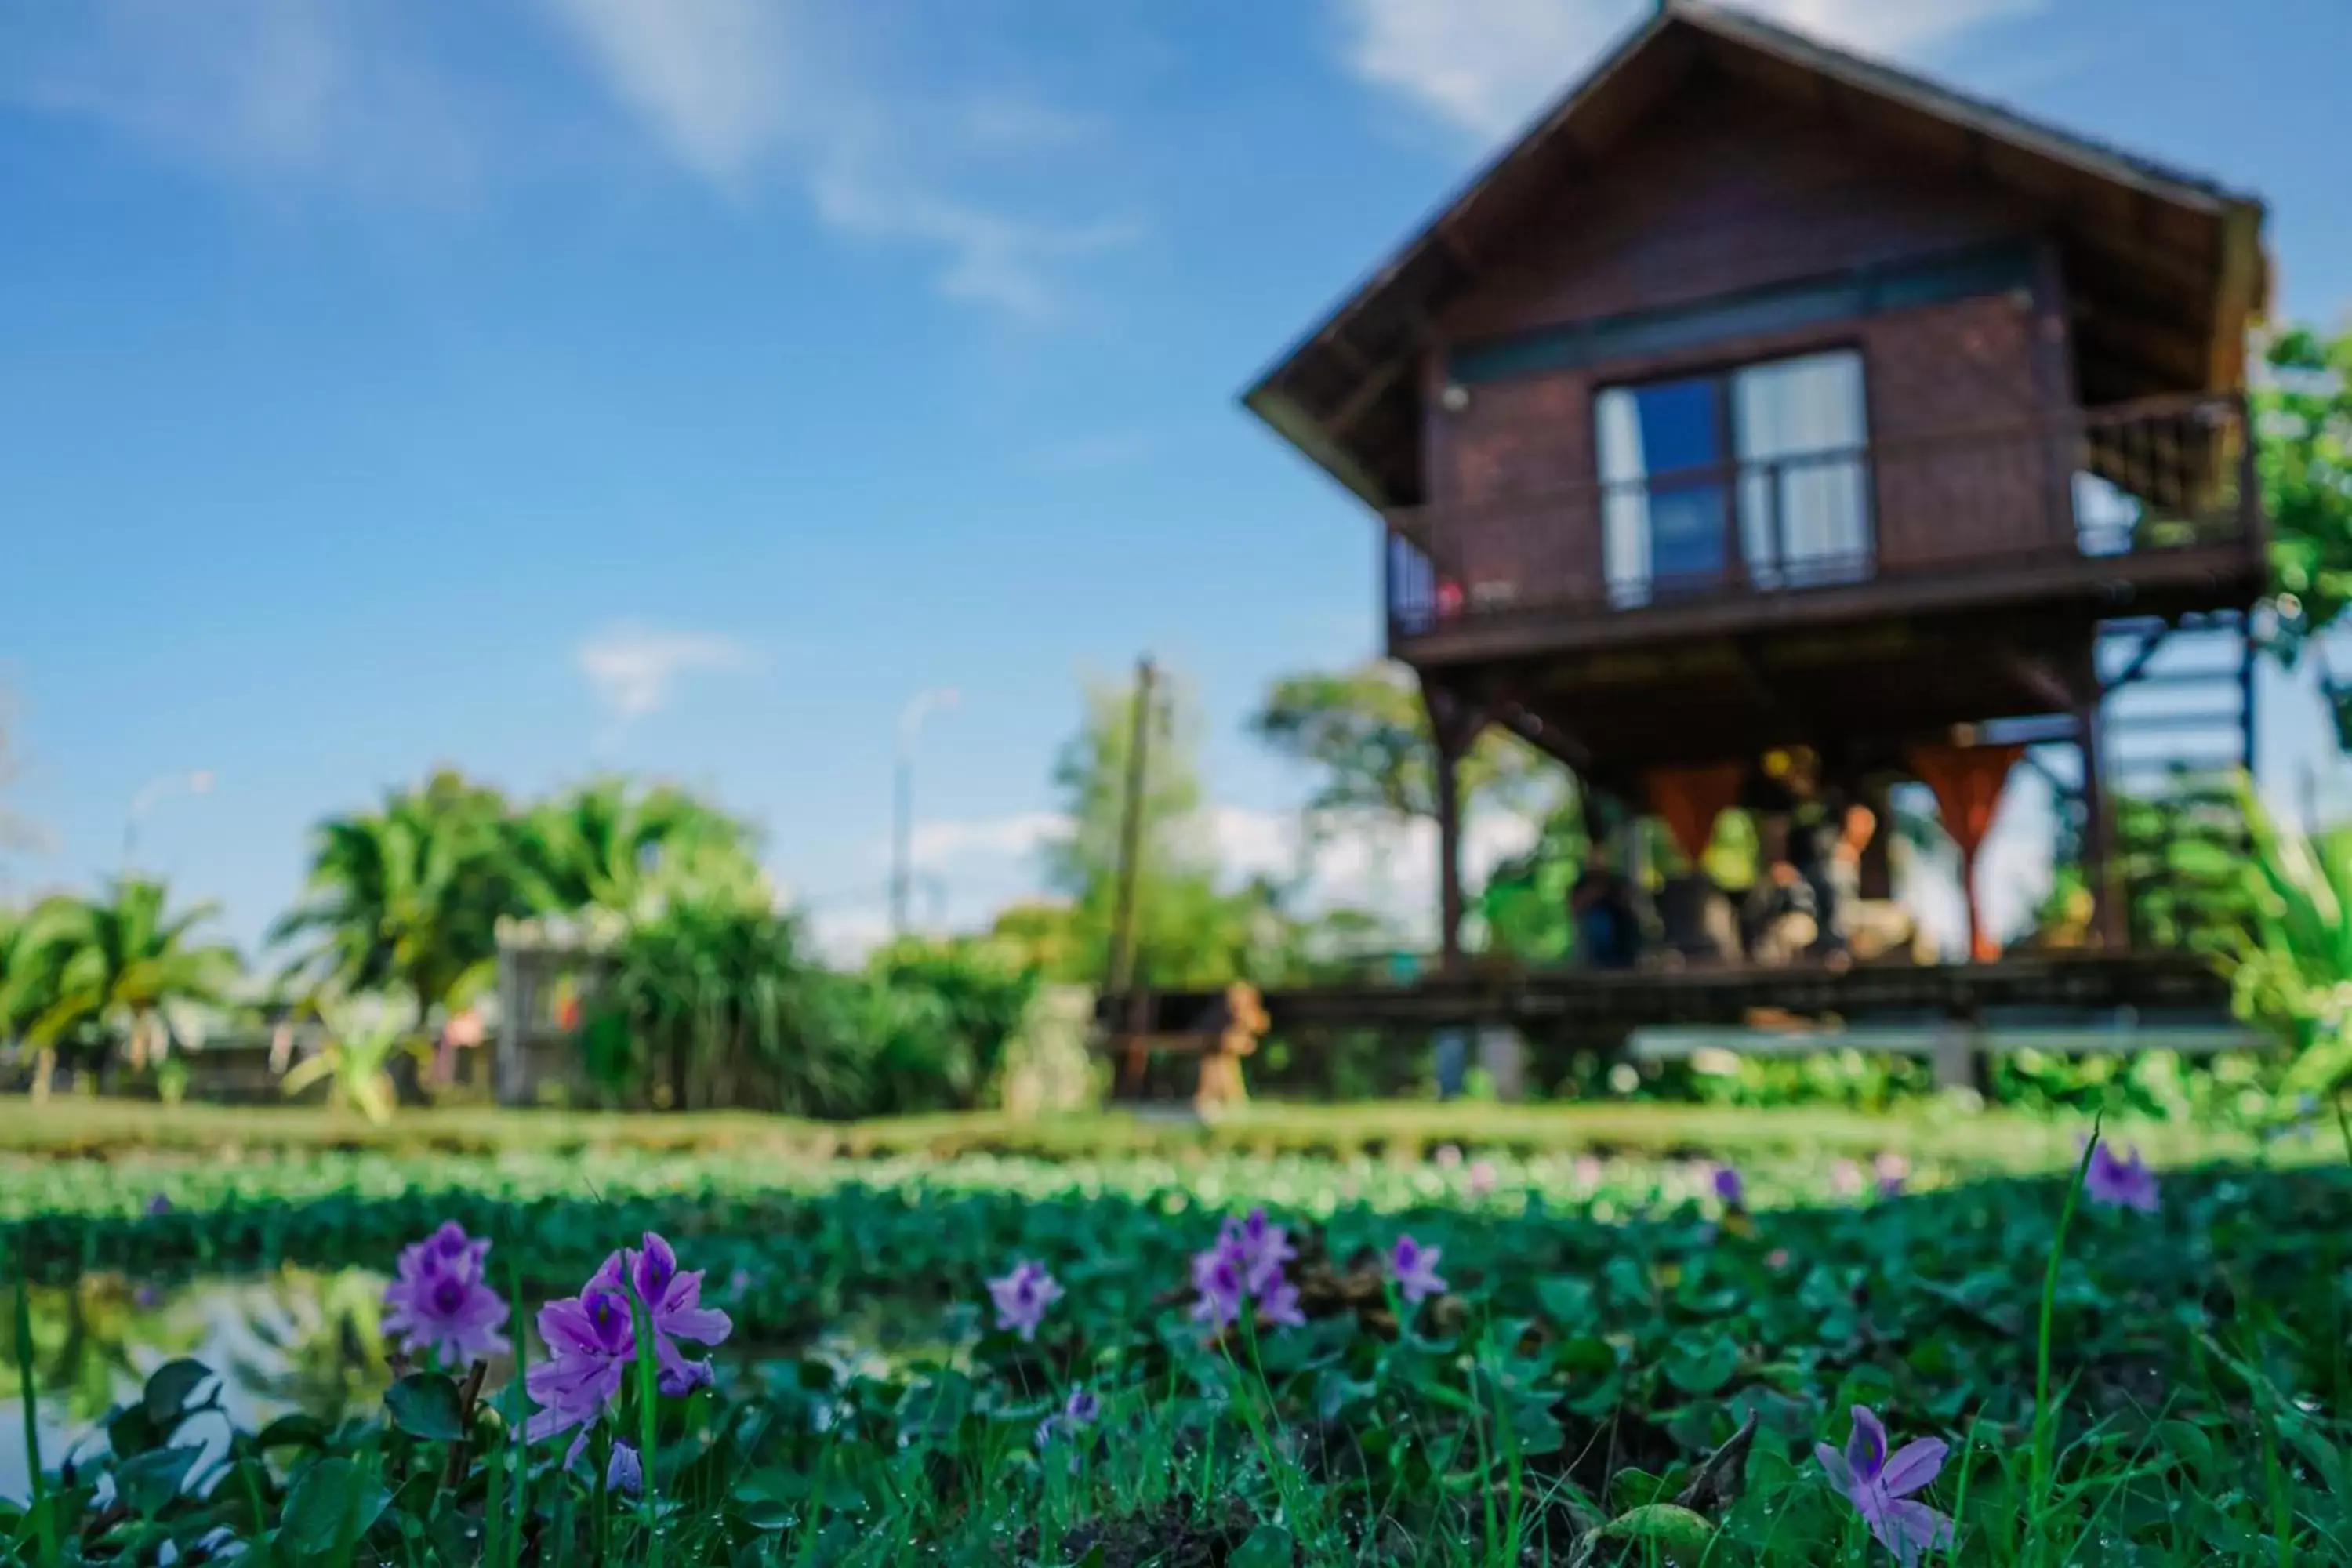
(680, 386)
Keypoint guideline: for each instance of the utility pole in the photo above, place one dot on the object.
(1130, 854)
(902, 826)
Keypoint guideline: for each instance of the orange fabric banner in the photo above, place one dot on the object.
(1688, 800)
(1968, 782)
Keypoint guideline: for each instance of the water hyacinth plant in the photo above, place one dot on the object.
(1022, 1298)
(1647, 1391)
(1414, 1269)
(1880, 1486)
(439, 1305)
(1243, 1271)
(2121, 1181)
(591, 1340)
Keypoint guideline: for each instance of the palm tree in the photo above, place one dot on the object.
(28, 975)
(606, 846)
(122, 967)
(409, 898)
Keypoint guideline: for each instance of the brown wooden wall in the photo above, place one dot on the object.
(1742, 193)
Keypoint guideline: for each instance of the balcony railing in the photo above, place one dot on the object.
(2128, 480)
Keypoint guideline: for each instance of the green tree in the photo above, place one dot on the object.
(1366, 733)
(124, 969)
(28, 974)
(409, 898)
(2303, 412)
(1190, 931)
(611, 845)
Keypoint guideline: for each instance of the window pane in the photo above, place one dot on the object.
(1678, 425)
(1804, 507)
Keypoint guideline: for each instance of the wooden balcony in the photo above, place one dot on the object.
(2153, 504)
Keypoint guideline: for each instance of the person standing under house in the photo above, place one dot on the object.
(1238, 1023)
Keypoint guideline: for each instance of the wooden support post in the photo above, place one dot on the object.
(1449, 854)
(2110, 912)
(1453, 724)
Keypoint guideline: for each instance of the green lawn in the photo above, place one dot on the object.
(1396, 1130)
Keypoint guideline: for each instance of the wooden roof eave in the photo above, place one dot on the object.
(2237, 290)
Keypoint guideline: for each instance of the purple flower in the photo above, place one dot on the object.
(438, 1304)
(1414, 1267)
(1077, 1413)
(673, 1299)
(1892, 1169)
(1878, 1487)
(158, 1206)
(1245, 1264)
(1482, 1177)
(1022, 1298)
(2124, 1183)
(1260, 1247)
(1217, 1275)
(624, 1471)
(590, 1343)
(1729, 1188)
(1278, 1304)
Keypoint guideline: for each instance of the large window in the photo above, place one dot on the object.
(1762, 466)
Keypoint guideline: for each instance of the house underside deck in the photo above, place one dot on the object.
(1610, 1007)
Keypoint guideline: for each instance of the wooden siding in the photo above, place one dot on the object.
(1724, 189)
(1735, 191)
(1968, 367)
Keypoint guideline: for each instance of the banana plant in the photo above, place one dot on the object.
(2291, 971)
(354, 1061)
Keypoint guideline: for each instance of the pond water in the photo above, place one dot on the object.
(298, 1339)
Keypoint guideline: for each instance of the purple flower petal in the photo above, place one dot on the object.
(1912, 1466)
(1865, 1450)
(1911, 1530)
(624, 1472)
(1841, 1473)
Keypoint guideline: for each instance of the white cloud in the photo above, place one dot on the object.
(337, 90)
(885, 144)
(844, 936)
(932, 845)
(1487, 66)
(734, 94)
(633, 670)
(711, 78)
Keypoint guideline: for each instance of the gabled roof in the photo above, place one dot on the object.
(1347, 393)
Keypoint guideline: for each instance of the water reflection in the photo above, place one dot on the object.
(309, 1340)
(294, 1341)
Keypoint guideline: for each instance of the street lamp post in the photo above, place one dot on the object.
(197, 782)
(911, 724)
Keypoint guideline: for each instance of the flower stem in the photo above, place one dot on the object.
(648, 1422)
(2045, 1418)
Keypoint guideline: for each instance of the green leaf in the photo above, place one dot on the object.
(1683, 1536)
(2189, 1443)
(427, 1404)
(1568, 1302)
(295, 1431)
(1268, 1546)
(1704, 1369)
(170, 1388)
(148, 1484)
(329, 1492)
(131, 1431)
